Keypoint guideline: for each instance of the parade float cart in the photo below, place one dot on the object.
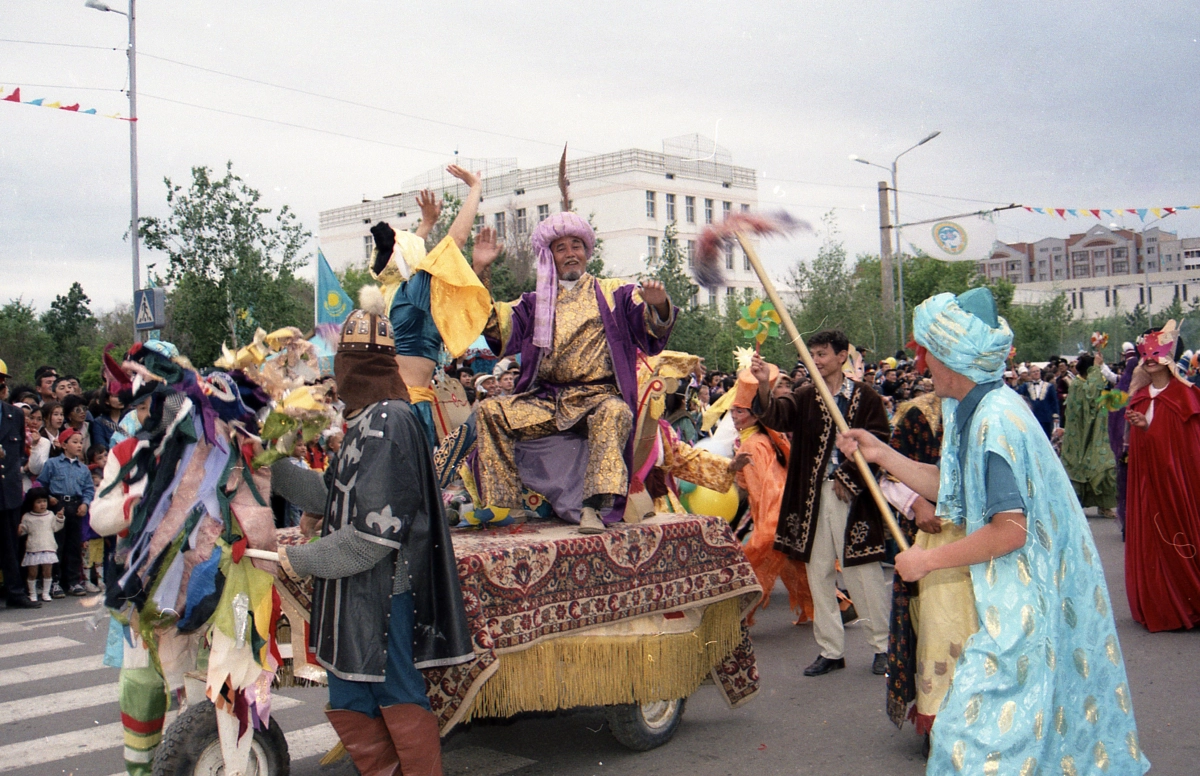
(634, 620)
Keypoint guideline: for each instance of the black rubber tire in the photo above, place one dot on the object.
(632, 727)
(195, 730)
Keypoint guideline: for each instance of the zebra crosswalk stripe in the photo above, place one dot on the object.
(69, 700)
(35, 646)
(39, 671)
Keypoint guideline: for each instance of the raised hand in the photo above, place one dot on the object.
(487, 248)
(760, 369)
(431, 206)
(472, 179)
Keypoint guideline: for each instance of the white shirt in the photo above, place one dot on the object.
(1154, 392)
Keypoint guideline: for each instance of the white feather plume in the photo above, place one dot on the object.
(370, 299)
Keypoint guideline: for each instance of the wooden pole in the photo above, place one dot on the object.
(822, 390)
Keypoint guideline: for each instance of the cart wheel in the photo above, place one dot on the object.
(190, 747)
(642, 727)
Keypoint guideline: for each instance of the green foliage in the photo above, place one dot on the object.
(231, 264)
(69, 324)
(24, 344)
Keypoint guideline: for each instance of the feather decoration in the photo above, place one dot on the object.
(115, 378)
(370, 299)
(709, 270)
(564, 184)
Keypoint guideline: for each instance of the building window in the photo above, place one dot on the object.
(652, 247)
(498, 224)
(670, 207)
(651, 204)
(1099, 254)
(478, 220)
(708, 211)
(1041, 276)
(689, 207)
(1120, 267)
(520, 219)
(691, 253)
(725, 208)
(746, 261)
(695, 298)
(1120, 253)
(1107, 294)
(543, 213)
(729, 257)
(1150, 251)
(745, 208)
(368, 246)
(730, 291)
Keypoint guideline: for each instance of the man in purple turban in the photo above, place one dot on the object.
(578, 337)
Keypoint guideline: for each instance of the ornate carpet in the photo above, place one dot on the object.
(533, 583)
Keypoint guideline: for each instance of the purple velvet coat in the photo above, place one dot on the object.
(624, 327)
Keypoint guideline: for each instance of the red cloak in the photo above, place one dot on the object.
(1162, 550)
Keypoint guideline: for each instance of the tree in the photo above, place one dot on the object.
(231, 264)
(26, 346)
(70, 325)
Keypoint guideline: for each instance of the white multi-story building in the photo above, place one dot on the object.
(1101, 271)
(630, 196)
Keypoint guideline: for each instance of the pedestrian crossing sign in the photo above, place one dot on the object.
(149, 309)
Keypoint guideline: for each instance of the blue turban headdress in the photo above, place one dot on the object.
(965, 333)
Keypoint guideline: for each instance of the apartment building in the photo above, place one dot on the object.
(630, 195)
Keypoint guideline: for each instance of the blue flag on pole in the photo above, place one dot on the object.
(333, 305)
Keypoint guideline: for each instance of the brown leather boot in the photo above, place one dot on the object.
(367, 741)
(416, 738)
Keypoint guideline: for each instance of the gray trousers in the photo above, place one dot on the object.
(864, 583)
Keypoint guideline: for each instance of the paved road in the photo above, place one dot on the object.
(58, 710)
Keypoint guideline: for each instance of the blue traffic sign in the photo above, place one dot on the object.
(150, 309)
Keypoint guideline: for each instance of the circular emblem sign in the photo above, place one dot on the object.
(950, 237)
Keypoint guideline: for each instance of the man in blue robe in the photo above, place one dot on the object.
(1041, 687)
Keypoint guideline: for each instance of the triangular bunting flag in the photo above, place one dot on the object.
(89, 110)
(1095, 213)
(1169, 210)
(74, 107)
(1107, 213)
(55, 104)
(1060, 212)
(1073, 211)
(15, 96)
(1029, 208)
(1120, 211)
(1141, 213)
(1157, 212)
(38, 101)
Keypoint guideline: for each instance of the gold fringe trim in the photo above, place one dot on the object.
(583, 670)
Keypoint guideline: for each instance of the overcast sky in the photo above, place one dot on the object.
(1043, 104)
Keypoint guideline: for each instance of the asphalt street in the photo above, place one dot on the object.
(59, 715)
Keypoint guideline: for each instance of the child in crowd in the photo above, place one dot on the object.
(93, 543)
(39, 525)
(71, 492)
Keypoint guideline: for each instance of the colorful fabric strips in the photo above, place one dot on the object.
(1080, 212)
(42, 102)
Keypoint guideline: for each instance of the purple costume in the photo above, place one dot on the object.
(1116, 439)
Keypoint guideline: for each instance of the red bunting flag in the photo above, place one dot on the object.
(74, 107)
(15, 96)
(1096, 213)
(1061, 212)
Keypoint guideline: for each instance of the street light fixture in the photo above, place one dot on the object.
(133, 155)
(896, 217)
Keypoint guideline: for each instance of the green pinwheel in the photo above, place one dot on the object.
(758, 322)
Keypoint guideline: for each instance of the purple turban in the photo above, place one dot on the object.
(558, 225)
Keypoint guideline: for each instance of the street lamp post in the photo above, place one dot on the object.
(896, 219)
(133, 154)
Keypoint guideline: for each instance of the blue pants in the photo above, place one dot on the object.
(424, 412)
(403, 682)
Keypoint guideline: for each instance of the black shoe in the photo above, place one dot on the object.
(23, 603)
(879, 666)
(823, 665)
(56, 591)
(77, 590)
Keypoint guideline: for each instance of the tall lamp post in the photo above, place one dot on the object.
(133, 155)
(896, 218)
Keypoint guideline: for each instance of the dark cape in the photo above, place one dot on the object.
(385, 488)
(813, 435)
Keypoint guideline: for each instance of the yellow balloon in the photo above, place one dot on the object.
(704, 501)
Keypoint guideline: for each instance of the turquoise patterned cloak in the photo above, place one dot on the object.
(1041, 687)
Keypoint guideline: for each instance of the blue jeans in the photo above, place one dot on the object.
(403, 682)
